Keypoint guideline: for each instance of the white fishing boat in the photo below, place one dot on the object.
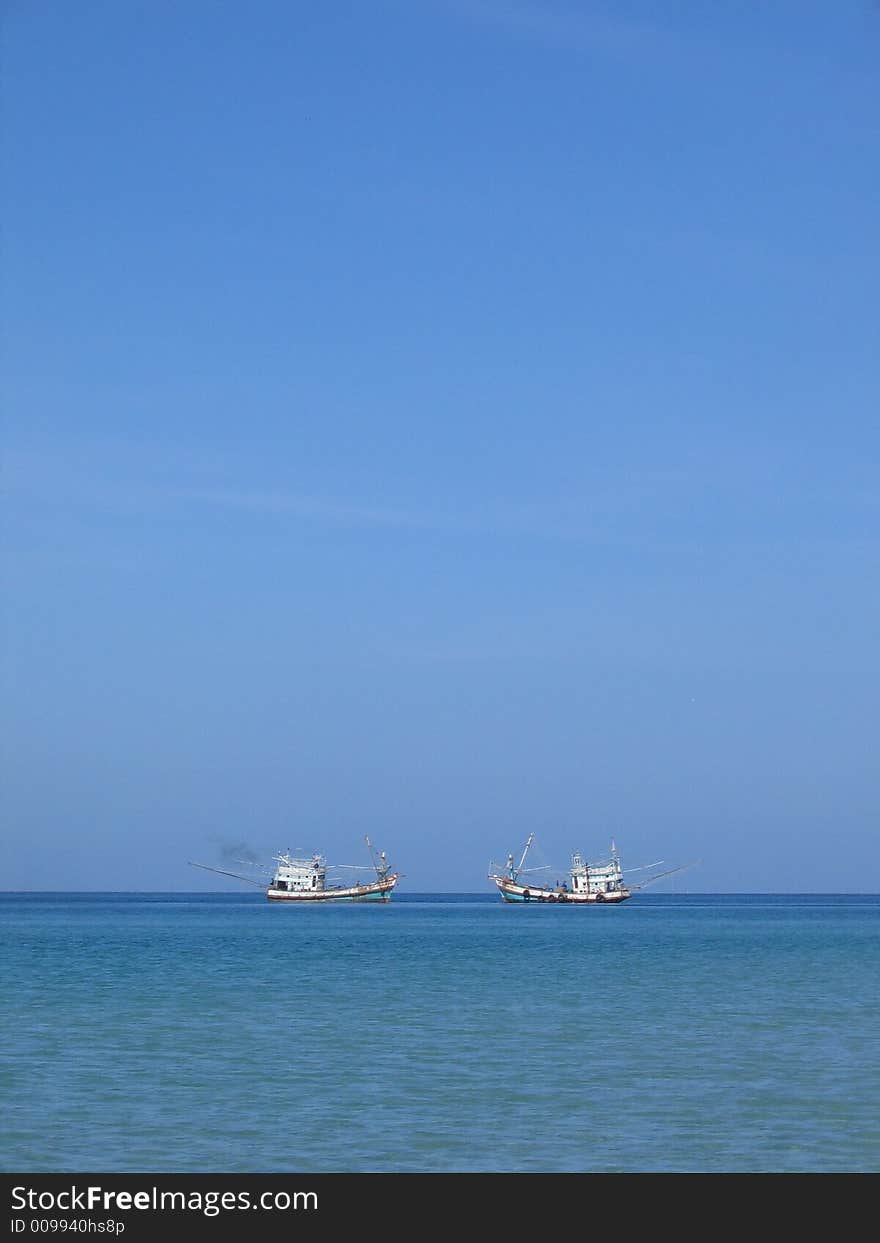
(591, 883)
(295, 879)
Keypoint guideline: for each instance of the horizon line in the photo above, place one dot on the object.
(439, 893)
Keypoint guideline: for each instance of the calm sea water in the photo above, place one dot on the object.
(182, 1033)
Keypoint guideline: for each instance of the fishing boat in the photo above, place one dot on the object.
(295, 879)
(591, 883)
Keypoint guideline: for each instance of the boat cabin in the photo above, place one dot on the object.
(300, 875)
(596, 878)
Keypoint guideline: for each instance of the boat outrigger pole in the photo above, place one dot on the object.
(672, 871)
(261, 884)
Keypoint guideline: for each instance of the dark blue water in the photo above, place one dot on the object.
(223, 1033)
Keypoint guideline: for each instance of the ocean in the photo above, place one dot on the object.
(439, 1033)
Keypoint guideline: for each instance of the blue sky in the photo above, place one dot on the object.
(443, 421)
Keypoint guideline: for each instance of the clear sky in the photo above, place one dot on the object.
(443, 420)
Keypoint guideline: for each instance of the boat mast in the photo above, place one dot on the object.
(524, 853)
(380, 863)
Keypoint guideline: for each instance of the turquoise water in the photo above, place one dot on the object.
(180, 1033)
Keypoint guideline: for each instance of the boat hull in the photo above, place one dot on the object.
(512, 892)
(378, 891)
